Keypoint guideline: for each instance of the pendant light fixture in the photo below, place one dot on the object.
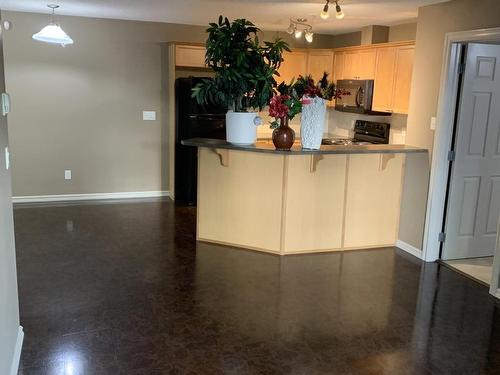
(52, 33)
(338, 10)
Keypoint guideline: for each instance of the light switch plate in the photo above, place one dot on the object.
(67, 174)
(5, 104)
(7, 158)
(433, 123)
(149, 115)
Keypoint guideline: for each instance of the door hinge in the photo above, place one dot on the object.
(451, 155)
(442, 237)
(461, 68)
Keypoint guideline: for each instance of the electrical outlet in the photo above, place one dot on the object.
(67, 174)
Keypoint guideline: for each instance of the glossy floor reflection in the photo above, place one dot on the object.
(123, 288)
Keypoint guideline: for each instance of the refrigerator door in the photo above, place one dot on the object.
(193, 120)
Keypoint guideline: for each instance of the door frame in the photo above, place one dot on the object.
(447, 102)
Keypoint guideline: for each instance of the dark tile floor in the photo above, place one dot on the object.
(124, 289)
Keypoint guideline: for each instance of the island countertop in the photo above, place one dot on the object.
(268, 147)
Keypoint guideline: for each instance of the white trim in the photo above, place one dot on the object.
(409, 249)
(93, 196)
(14, 368)
(442, 139)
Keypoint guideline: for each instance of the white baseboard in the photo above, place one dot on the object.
(409, 249)
(87, 197)
(14, 368)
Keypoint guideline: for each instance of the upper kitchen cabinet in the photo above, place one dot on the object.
(338, 66)
(384, 78)
(393, 74)
(402, 80)
(359, 64)
(319, 62)
(190, 56)
(294, 64)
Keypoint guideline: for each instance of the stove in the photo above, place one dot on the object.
(365, 133)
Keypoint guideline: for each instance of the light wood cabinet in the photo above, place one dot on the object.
(338, 66)
(319, 62)
(190, 56)
(402, 79)
(293, 65)
(393, 74)
(390, 65)
(368, 221)
(366, 64)
(351, 62)
(384, 79)
(359, 64)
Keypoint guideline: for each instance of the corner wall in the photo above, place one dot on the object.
(433, 23)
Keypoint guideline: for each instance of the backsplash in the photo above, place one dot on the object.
(341, 124)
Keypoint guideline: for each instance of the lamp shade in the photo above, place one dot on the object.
(52, 33)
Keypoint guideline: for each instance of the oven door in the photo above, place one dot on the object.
(359, 97)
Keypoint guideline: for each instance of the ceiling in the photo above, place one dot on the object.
(268, 15)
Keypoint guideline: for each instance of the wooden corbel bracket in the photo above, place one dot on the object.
(315, 158)
(223, 156)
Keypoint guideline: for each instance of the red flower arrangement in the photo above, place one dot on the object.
(278, 107)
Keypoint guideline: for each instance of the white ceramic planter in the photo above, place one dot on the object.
(312, 123)
(241, 127)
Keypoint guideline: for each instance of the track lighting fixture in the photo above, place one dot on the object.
(299, 27)
(338, 10)
(324, 13)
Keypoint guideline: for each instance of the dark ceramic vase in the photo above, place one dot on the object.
(283, 136)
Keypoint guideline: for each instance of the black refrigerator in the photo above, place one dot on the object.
(192, 120)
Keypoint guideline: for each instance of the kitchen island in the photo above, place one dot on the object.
(299, 201)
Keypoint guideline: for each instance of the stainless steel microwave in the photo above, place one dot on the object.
(360, 96)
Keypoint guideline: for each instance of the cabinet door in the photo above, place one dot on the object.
(318, 63)
(293, 65)
(351, 63)
(373, 221)
(190, 56)
(365, 68)
(384, 79)
(402, 83)
(338, 66)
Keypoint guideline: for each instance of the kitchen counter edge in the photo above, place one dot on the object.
(266, 147)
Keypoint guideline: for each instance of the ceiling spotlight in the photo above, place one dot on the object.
(52, 33)
(339, 14)
(299, 27)
(324, 13)
(309, 36)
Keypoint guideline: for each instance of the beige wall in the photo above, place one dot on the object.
(9, 310)
(403, 32)
(347, 40)
(80, 107)
(433, 23)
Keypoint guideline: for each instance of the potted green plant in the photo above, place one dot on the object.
(244, 75)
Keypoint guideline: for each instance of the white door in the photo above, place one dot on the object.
(474, 195)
